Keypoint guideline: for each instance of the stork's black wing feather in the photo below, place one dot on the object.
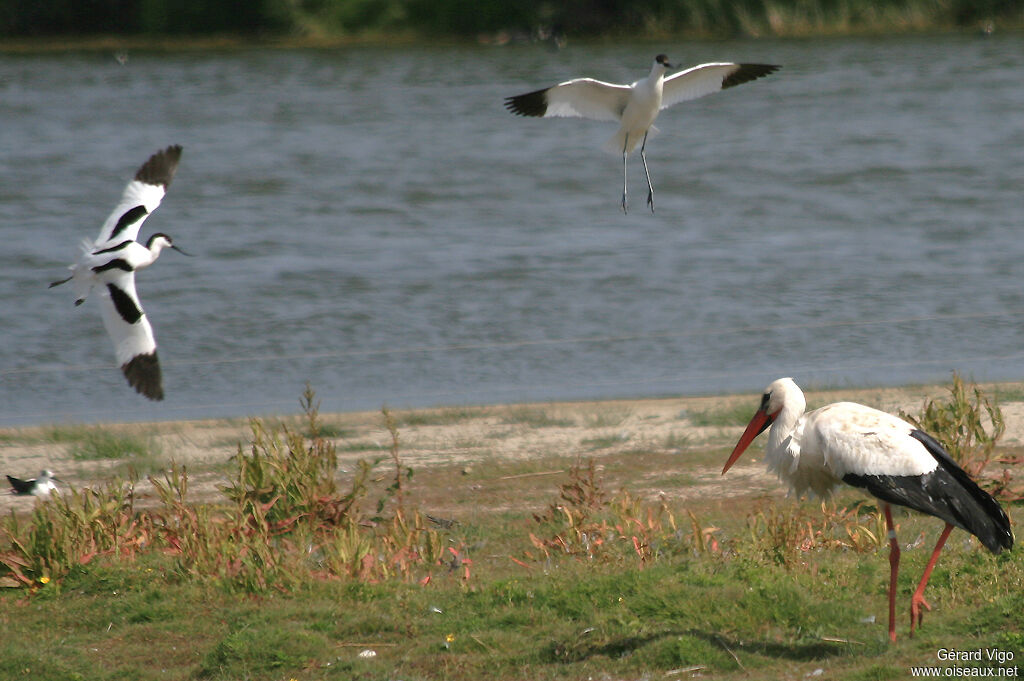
(947, 493)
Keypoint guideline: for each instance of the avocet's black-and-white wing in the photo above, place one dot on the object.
(141, 197)
(129, 329)
(708, 78)
(579, 98)
(19, 486)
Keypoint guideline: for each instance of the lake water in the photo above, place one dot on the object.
(374, 222)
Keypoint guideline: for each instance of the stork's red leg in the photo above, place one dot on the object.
(894, 568)
(917, 600)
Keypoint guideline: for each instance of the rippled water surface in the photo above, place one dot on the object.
(372, 221)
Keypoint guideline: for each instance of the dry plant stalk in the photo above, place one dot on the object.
(784, 534)
(588, 523)
(968, 428)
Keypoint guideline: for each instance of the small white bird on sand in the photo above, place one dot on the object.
(111, 261)
(39, 487)
(634, 106)
(885, 456)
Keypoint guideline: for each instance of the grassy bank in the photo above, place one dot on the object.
(606, 545)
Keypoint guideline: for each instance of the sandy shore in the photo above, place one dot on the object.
(465, 437)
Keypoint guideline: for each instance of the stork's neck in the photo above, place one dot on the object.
(784, 424)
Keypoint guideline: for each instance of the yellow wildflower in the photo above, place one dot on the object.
(44, 580)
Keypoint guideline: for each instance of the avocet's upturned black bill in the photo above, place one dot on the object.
(39, 487)
(882, 454)
(634, 106)
(111, 261)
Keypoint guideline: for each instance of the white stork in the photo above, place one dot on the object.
(111, 262)
(891, 459)
(634, 106)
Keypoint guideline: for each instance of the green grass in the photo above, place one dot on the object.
(601, 442)
(333, 431)
(736, 616)
(53, 434)
(676, 480)
(96, 444)
(128, 452)
(1009, 392)
(363, 446)
(731, 414)
(437, 417)
(535, 417)
(677, 441)
(606, 418)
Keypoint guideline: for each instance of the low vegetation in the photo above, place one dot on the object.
(284, 521)
(970, 424)
(377, 573)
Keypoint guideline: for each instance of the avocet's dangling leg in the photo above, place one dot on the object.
(917, 600)
(78, 301)
(650, 187)
(624, 174)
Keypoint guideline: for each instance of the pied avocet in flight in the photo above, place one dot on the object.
(634, 106)
(111, 261)
(39, 487)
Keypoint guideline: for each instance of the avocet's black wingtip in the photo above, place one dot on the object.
(159, 168)
(143, 374)
(748, 72)
(528, 104)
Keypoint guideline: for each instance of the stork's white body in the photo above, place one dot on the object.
(635, 106)
(814, 451)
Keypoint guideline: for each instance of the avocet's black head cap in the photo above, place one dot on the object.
(168, 239)
(663, 60)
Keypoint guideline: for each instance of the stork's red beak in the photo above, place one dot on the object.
(757, 425)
